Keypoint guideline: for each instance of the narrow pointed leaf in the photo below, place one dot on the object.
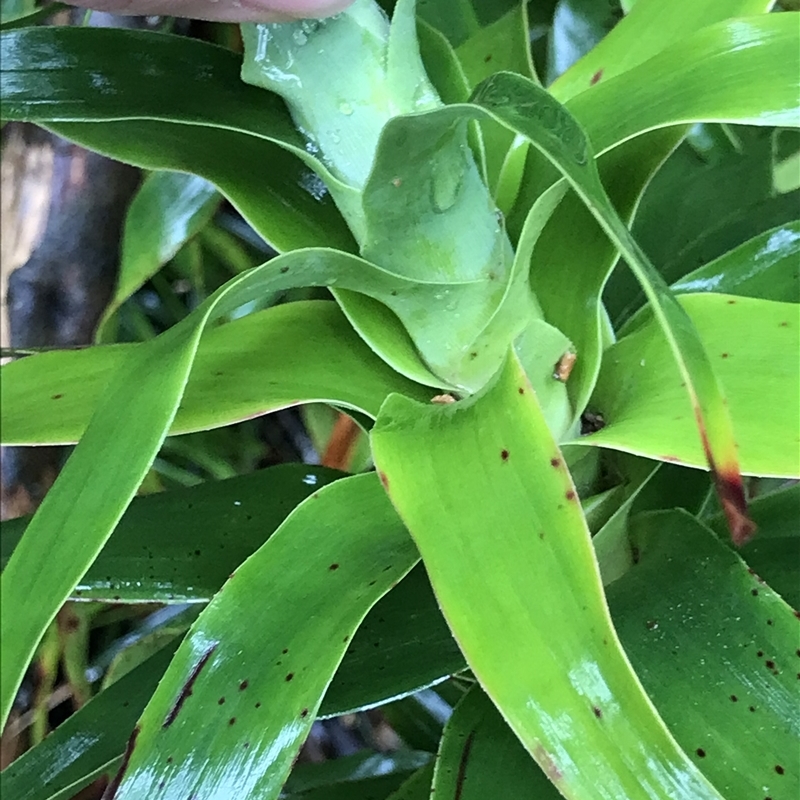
(642, 401)
(251, 684)
(297, 352)
(453, 472)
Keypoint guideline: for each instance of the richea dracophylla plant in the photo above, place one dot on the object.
(617, 626)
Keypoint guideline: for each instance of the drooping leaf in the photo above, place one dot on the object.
(252, 683)
(170, 102)
(452, 472)
(754, 345)
(693, 620)
(773, 554)
(297, 352)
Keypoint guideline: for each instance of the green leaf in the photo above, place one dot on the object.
(297, 352)
(754, 345)
(179, 109)
(402, 646)
(716, 200)
(87, 744)
(694, 621)
(773, 553)
(250, 684)
(524, 107)
(453, 472)
(166, 212)
(84, 505)
(480, 757)
(767, 267)
(212, 527)
(650, 27)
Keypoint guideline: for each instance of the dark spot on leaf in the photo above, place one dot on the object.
(384, 480)
(521, 390)
(473, 355)
(570, 495)
(779, 769)
(504, 455)
(597, 712)
(541, 534)
(769, 664)
(243, 685)
(725, 355)
(346, 639)
(114, 785)
(760, 654)
(770, 622)
(333, 567)
(232, 721)
(221, 701)
(754, 592)
(784, 325)
(285, 650)
(596, 77)
(169, 759)
(186, 691)
(197, 552)
(635, 554)
(462, 765)
(751, 709)
(246, 745)
(487, 59)
(555, 462)
(304, 713)
(700, 752)
(57, 396)
(258, 705)
(731, 302)
(734, 698)
(289, 677)
(284, 270)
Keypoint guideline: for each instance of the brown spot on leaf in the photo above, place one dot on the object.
(57, 396)
(596, 77)
(597, 712)
(700, 752)
(112, 788)
(570, 495)
(462, 766)
(243, 685)
(333, 567)
(545, 761)
(304, 713)
(555, 462)
(779, 769)
(186, 691)
(521, 390)
(384, 480)
(504, 455)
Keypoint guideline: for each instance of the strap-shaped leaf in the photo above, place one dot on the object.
(294, 353)
(250, 683)
(641, 397)
(694, 619)
(483, 490)
(98, 482)
(480, 757)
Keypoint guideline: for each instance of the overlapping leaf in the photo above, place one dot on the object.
(298, 352)
(453, 472)
(251, 684)
(641, 397)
